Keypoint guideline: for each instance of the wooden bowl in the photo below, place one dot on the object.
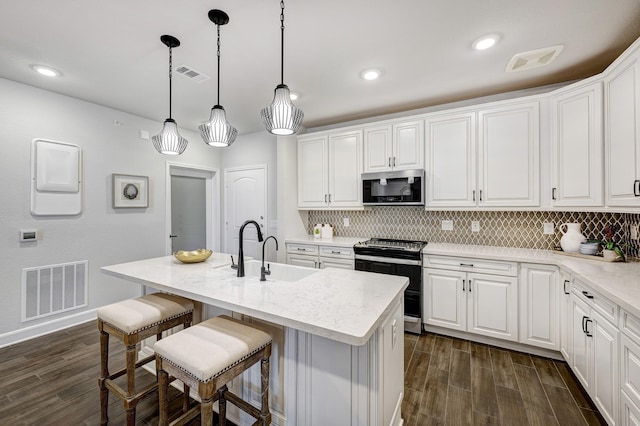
(193, 256)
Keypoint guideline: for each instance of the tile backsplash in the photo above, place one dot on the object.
(522, 229)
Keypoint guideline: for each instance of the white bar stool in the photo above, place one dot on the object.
(132, 321)
(206, 357)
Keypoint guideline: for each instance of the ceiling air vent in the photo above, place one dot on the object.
(534, 58)
(192, 74)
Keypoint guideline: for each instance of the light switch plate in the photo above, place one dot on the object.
(447, 225)
(345, 221)
(548, 228)
(475, 226)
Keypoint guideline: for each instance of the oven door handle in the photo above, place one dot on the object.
(379, 259)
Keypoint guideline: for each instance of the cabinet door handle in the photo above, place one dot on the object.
(463, 281)
(469, 286)
(564, 286)
(470, 265)
(389, 161)
(394, 161)
(325, 198)
(474, 195)
(301, 249)
(329, 197)
(553, 193)
(586, 327)
(335, 252)
(587, 295)
(481, 195)
(636, 187)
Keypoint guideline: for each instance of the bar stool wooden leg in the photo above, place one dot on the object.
(264, 384)
(104, 373)
(206, 412)
(185, 398)
(222, 405)
(163, 397)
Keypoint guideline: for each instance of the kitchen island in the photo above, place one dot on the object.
(338, 334)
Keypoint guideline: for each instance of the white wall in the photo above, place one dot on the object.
(101, 235)
(252, 149)
(292, 222)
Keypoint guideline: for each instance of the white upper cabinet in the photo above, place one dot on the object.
(509, 155)
(329, 168)
(577, 146)
(345, 168)
(622, 133)
(451, 160)
(487, 158)
(397, 146)
(313, 171)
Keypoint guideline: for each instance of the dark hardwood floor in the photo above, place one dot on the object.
(53, 380)
(456, 382)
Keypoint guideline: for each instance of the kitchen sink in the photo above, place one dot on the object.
(279, 271)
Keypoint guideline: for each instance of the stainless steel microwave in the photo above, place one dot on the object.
(396, 188)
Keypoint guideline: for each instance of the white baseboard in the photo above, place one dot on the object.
(17, 336)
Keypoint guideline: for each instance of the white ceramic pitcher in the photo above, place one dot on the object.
(571, 238)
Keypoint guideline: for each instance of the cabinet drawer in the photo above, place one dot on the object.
(480, 266)
(630, 324)
(302, 248)
(602, 305)
(332, 251)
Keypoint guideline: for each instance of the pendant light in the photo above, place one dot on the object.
(169, 140)
(282, 117)
(217, 131)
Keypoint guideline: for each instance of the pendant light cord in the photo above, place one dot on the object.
(218, 64)
(282, 42)
(170, 66)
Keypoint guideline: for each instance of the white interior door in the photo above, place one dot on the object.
(245, 198)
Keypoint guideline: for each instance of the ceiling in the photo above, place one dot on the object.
(110, 52)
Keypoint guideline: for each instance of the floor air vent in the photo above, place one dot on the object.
(534, 58)
(49, 290)
(192, 74)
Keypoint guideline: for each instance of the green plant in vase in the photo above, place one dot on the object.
(609, 244)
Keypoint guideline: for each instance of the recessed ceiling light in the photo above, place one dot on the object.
(370, 74)
(486, 41)
(293, 96)
(46, 71)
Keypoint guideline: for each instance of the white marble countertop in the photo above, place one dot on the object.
(342, 305)
(335, 241)
(618, 281)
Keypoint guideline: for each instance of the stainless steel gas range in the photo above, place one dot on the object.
(396, 257)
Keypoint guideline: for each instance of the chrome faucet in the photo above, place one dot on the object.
(240, 250)
(267, 271)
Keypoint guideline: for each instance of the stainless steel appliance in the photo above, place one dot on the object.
(396, 257)
(396, 188)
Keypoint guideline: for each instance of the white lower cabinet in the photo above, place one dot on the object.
(466, 301)
(565, 315)
(629, 369)
(594, 351)
(320, 256)
(539, 306)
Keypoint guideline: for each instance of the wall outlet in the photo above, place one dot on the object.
(447, 225)
(144, 134)
(633, 228)
(548, 228)
(475, 226)
(345, 221)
